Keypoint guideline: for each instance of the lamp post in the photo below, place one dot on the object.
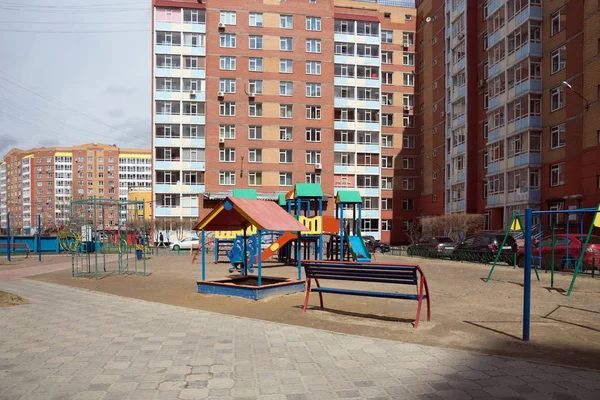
(568, 85)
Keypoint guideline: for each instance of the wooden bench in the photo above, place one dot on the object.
(15, 246)
(367, 272)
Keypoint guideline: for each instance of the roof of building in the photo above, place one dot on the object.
(223, 195)
(236, 213)
(245, 194)
(348, 197)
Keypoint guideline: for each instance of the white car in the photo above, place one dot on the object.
(185, 243)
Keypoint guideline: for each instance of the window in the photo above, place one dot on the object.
(557, 98)
(227, 109)
(255, 64)
(407, 17)
(313, 112)
(408, 183)
(228, 17)
(285, 179)
(387, 162)
(286, 88)
(286, 66)
(285, 111)
(255, 109)
(557, 136)
(227, 131)
(387, 78)
(387, 36)
(387, 141)
(387, 99)
(227, 155)
(228, 40)
(313, 23)
(408, 59)
(408, 163)
(255, 155)
(254, 178)
(313, 68)
(408, 204)
(387, 119)
(409, 79)
(313, 135)
(408, 121)
(408, 38)
(313, 90)
(285, 133)
(408, 142)
(555, 23)
(387, 57)
(386, 225)
(313, 45)
(255, 86)
(227, 178)
(256, 42)
(313, 157)
(557, 174)
(286, 21)
(255, 132)
(286, 44)
(558, 60)
(312, 178)
(285, 156)
(227, 85)
(255, 19)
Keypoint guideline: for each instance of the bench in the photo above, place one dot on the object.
(15, 246)
(367, 272)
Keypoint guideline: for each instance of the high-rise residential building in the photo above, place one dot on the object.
(517, 124)
(266, 94)
(43, 181)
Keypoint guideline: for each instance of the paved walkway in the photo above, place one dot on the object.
(75, 344)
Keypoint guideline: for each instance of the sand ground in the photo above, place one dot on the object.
(467, 313)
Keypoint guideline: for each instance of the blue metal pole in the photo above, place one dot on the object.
(341, 216)
(359, 216)
(567, 249)
(527, 280)
(320, 249)
(216, 251)
(258, 238)
(203, 255)
(39, 238)
(354, 219)
(8, 236)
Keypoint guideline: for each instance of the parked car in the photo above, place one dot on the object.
(440, 246)
(186, 243)
(375, 246)
(573, 242)
(485, 246)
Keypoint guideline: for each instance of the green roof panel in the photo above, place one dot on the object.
(308, 190)
(348, 197)
(244, 193)
(282, 201)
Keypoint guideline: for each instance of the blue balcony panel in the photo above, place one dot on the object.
(342, 169)
(341, 146)
(372, 148)
(158, 71)
(370, 213)
(369, 191)
(493, 200)
(199, 28)
(163, 26)
(529, 12)
(460, 178)
(344, 125)
(493, 168)
(525, 86)
(461, 91)
(344, 37)
(492, 6)
(494, 135)
(494, 102)
(527, 159)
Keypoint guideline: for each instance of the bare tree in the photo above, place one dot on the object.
(414, 231)
(455, 226)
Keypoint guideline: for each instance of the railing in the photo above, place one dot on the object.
(392, 3)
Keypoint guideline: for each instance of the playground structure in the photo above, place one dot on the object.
(23, 246)
(234, 214)
(89, 239)
(305, 203)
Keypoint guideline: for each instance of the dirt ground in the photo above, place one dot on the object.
(8, 299)
(467, 313)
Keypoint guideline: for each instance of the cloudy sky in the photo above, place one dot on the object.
(74, 71)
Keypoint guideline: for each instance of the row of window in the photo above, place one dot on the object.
(255, 19)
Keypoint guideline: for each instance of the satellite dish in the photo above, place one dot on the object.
(428, 19)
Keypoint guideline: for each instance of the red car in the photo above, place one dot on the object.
(574, 243)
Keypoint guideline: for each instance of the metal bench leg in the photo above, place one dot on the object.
(420, 303)
(320, 294)
(307, 295)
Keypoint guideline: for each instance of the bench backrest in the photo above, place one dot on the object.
(362, 272)
(15, 245)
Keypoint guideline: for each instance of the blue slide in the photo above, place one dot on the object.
(358, 249)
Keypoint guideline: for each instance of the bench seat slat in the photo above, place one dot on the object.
(365, 279)
(361, 266)
(367, 293)
(357, 272)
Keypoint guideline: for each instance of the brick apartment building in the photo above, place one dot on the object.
(44, 180)
(268, 93)
(499, 131)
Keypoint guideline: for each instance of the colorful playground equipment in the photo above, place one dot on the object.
(350, 238)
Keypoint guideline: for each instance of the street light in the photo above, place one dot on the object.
(568, 85)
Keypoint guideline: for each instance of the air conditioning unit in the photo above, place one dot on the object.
(251, 94)
(221, 140)
(407, 108)
(406, 45)
(220, 94)
(221, 25)
(318, 166)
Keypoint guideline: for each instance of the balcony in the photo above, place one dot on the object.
(495, 37)
(178, 188)
(369, 192)
(160, 211)
(179, 165)
(497, 101)
(177, 95)
(179, 142)
(495, 69)
(167, 49)
(367, 126)
(344, 147)
(528, 49)
(374, 61)
(344, 169)
(459, 121)
(457, 178)
(524, 160)
(368, 148)
(495, 167)
(368, 169)
(460, 149)
(374, 83)
(524, 195)
(525, 123)
(197, 28)
(459, 65)
(354, 38)
(354, 103)
(522, 87)
(455, 207)
(370, 213)
(460, 9)
(496, 134)
(346, 125)
(496, 200)
(493, 5)
(524, 15)
(344, 59)
(344, 81)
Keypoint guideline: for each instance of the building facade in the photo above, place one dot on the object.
(266, 94)
(43, 181)
(521, 106)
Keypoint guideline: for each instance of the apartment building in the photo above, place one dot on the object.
(266, 94)
(521, 106)
(43, 181)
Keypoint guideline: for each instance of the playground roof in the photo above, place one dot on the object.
(245, 194)
(236, 213)
(306, 191)
(348, 197)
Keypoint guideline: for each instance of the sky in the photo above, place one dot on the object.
(73, 72)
